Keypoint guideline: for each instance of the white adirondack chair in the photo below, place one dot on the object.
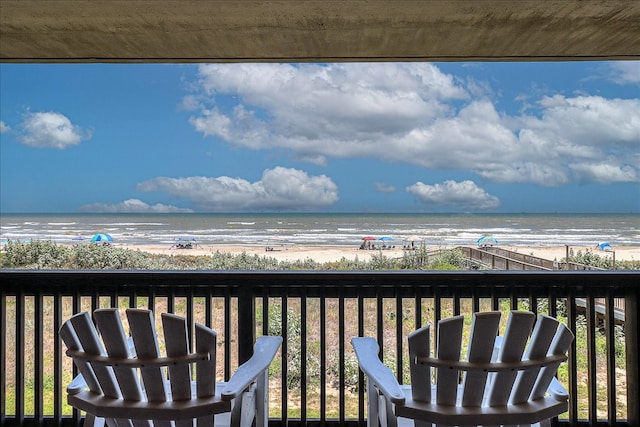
(503, 381)
(127, 382)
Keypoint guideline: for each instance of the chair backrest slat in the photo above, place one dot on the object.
(448, 348)
(177, 343)
(519, 325)
(420, 374)
(484, 330)
(543, 333)
(70, 339)
(143, 332)
(88, 336)
(206, 341)
(115, 341)
(560, 345)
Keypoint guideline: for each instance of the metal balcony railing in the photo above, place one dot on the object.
(315, 379)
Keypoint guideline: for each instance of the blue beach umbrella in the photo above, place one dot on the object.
(100, 237)
(385, 238)
(604, 246)
(487, 240)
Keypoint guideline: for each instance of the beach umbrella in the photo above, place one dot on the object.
(413, 238)
(385, 238)
(100, 237)
(604, 246)
(487, 240)
(368, 238)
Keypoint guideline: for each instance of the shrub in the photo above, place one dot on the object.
(39, 254)
(453, 259)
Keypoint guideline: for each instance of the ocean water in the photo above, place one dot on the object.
(327, 228)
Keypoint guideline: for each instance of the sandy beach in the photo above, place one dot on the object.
(324, 254)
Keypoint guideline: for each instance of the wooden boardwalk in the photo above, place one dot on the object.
(495, 258)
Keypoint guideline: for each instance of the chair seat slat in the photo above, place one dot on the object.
(169, 410)
(522, 414)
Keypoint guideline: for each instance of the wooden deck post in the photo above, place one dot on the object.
(246, 322)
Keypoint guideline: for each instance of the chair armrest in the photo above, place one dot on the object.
(557, 390)
(264, 351)
(77, 385)
(366, 349)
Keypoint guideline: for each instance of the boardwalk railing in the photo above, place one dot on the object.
(503, 259)
(315, 380)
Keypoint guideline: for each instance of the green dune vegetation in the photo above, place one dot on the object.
(42, 254)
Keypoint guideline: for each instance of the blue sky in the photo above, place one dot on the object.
(380, 137)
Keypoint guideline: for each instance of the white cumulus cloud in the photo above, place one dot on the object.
(463, 195)
(604, 173)
(416, 114)
(4, 127)
(132, 206)
(279, 189)
(625, 72)
(52, 130)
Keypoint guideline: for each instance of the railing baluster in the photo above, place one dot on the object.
(341, 341)
(3, 356)
(632, 341)
(399, 340)
(361, 384)
(284, 321)
(208, 308)
(609, 328)
(323, 359)
(38, 324)
(227, 334)
(58, 387)
(303, 357)
(592, 390)
(380, 319)
(573, 378)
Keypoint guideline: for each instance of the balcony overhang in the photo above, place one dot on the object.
(122, 31)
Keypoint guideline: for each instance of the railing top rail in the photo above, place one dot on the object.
(327, 283)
